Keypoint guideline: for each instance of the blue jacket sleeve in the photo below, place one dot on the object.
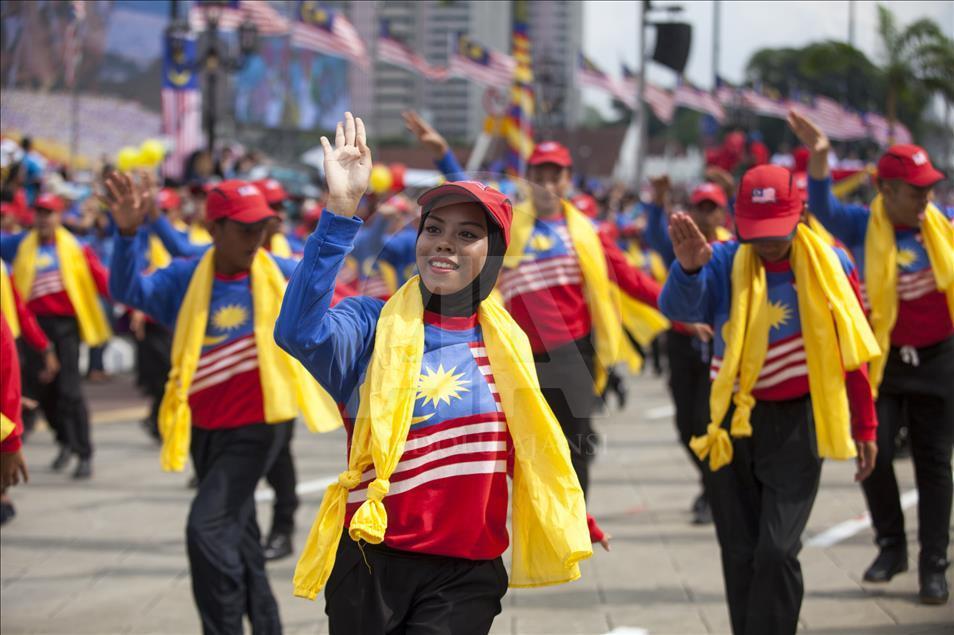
(160, 294)
(657, 233)
(175, 243)
(847, 222)
(9, 243)
(333, 344)
(450, 168)
(694, 298)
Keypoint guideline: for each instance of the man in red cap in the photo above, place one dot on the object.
(226, 379)
(61, 281)
(783, 398)
(903, 245)
(275, 195)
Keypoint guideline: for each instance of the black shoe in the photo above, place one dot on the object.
(279, 546)
(701, 512)
(84, 469)
(62, 460)
(7, 512)
(889, 563)
(933, 582)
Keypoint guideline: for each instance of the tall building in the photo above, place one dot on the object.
(456, 106)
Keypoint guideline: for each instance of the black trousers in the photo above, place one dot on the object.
(62, 399)
(283, 479)
(153, 361)
(760, 504)
(689, 385)
(388, 592)
(566, 382)
(925, 393)
(222, 535)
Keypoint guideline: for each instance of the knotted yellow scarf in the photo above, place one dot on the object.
(610, 308)
(836, 335)
(549, 516)
(7, 304)
(881, 272)
(286, 385)
(77, 281)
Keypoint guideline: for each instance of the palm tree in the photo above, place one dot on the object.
(917, 59)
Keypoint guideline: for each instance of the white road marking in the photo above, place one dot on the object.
(307, 487)
(660, 412)
(628, 630)
(851, 527)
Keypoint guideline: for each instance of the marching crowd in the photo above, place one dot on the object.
(465, 338)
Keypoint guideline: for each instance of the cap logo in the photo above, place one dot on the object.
(482, 186)
(247, 190)
(919, 158)
(548, 146)
(763, 195)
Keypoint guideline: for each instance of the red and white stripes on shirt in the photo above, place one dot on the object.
(226, 390)
(46, 283)
(784, 373)
(220, 365)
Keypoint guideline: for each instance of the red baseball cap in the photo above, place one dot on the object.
(50, 202)
(168, 198)
(496, 204)
(909, 163)
(272, 190)
(551, 152)
(586, 204)
(709, 192)
(768, 205)
(239, 201)
(801, 184)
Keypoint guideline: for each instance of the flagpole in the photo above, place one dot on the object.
(640, 108)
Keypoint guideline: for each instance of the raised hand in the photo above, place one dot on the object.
(690, 246)
(661, 188)
(126, 202)
(148, 191)
(815, 140)
(347, 166)
(425, 133)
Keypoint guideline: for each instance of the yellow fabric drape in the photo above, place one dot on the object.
(549, 516)
(836, 336)
(817, 227)
(286, 385)
(159, 257)
(280, 246)
(6, 426)
(881, 271)
(77, 281)
(723, 235)
(604, 298)
(7, 304)
(199, 235)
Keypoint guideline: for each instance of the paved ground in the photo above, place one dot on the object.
(108, 556)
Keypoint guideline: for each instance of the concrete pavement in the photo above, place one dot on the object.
(108, 556)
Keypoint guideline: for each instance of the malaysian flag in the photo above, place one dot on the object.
(589, 74)
(73, 42)
(471, 60)
(764, 105)
(231, 16)
(394, 52)
(181, 104)
(835, 121)
(880, 130)
(323, 30)
(659, 100)
(689, 96)
(518, 124)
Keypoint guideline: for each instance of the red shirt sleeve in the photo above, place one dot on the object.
(100, 275)
(33, 335)
(632, 281)
(10, 387)
(864, 419)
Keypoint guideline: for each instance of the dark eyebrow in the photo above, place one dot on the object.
(470, 222)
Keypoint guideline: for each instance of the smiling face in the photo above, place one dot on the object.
(551, 183)
(452, 247)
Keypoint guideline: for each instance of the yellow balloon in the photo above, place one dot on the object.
(381, 180)
(151, 152)
(127, 158)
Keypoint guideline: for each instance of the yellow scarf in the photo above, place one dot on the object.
(77, 281)
(836, 335)
(199, 235)
(817, 227)
(280, 246)
(7, 304)
(638, 259)
(286, 385)
(159, 257)
(6, 426)
(881, 272)
(610, 308)
(549, 516)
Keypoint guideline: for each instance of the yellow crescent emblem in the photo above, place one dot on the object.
(179, 78)
(212, 340)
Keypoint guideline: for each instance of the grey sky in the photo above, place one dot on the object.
(610, 34)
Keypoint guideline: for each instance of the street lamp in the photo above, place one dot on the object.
(217, 58)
